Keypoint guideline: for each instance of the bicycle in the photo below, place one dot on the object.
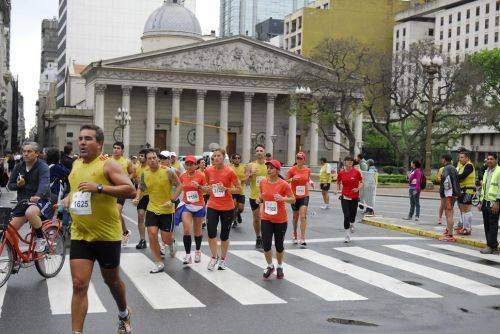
(12, 257)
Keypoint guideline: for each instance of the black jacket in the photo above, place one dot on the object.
(37, 181)
(450, 170)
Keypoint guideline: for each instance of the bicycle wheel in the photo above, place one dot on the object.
(6, 263)
(55, 254)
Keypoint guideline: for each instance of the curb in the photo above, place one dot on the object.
(422, 233)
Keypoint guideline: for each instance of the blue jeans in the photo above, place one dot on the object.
(414, 203)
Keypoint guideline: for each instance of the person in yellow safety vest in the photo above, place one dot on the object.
(467, 181)
(490, 203)
(442, 200)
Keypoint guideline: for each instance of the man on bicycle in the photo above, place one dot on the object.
(31, 180)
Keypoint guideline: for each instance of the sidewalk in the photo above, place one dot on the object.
(427, 229)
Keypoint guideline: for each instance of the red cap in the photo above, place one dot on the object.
(190, 159)
(275, 163)
(301, 155)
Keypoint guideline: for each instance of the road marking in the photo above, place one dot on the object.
(3, 290)
(160, 290)
(371, 277)
(467, 251)
(60, 291)
(236, 286)
(447, 259)
(324, 289)
(441, 276)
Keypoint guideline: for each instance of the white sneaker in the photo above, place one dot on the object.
(40, 244)
(347, 237)
(197, 256)
(172, 249)
(159, 268)
(222, 265)
(187, 259)
(352, 228)
(162, 250)
(212, 264)
(126, 238)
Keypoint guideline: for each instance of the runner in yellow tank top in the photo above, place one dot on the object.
(159, 181)
(96, 182)
(128, 169)
(256, 171)
(239, 199)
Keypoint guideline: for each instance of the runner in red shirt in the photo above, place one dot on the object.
(299, 177)
(222, 183)
(274, 193)
(192, 209)
(350, 181)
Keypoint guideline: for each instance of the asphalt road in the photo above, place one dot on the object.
(372, 287)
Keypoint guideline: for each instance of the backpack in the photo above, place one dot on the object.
(423, 182)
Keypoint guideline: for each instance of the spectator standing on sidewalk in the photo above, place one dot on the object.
(450, 191)
(490, 203)
(414, 186)
(361, 162)
(467, 181)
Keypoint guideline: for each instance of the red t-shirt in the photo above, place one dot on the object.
(219, 199)
(300, 186)
(350, 180)
(193, 195)
(270, 209)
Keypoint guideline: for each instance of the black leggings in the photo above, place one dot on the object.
(349, 208)
(226, 219)
(268, 229)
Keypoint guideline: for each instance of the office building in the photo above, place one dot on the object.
(268, 29)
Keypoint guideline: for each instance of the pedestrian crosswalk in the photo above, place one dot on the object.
(242, 282)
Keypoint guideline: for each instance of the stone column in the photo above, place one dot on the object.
(224, 118)
(336, 147)
(175, 125)
(247, 127)
(99, 105)
(358, 133)
(200, 121)
(292, 138)
(270, 123)
(151, 116)
(126, 131)
(313, 129)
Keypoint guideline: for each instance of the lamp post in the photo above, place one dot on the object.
(431, 68)
(274, 138)
(122, 120)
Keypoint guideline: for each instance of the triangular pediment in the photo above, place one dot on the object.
(234, 55)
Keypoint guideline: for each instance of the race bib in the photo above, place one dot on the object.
(259, 179)
(271, 208)
(300, 190)
(192, 196)
(217, 191)
(81, 204)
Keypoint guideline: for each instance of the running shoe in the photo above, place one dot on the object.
(213, 263)
(294, 238)
(406, 218)
(303, 243)
(126, 238)
(352, 228)
(268, 272)
(235, 223)
(466, 231)
(487, 250)
(124, 326)
(162, 251)
(40, 244)
(159, 268)
(172, 249)
(258, 242)
(222, 265)
(187, 259)
(239, 219)
(197, 256)
(279, 273)
(416, 219)
(347, 237)
(141, 245)
(447, 238)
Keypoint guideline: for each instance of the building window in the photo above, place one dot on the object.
(449, 33)
(497, 21)
(441, 48)
(431, 32)
(457, 59)
(467, 43)
(442, 20)
(69, 134)
(478, 10)
(468, 13)
(492, 136)
(299, 39)
(458, 45)
(459, 16)
(450, 19)
(293, 42)
(467, 28)
(481, 139)
(498, 5)
(458, 31)
(298, 51)
(403, 46)
(449, 47)
(294, 25)
(476, 41)
(487, 10)
(441, 35)
(496, 36)
(287, 27)
(486, 24)
(404, 31)
(397, 33)
(477, 26)
(485, 39)
(300, 22)
(397, 46)
(286, 43)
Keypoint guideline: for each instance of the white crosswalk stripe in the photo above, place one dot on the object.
(444, 277)
(3, 290)
(236, 286)
(368, 276)
(60, 291)
(160, 290)
(447, 259)
(468, 251)
(324, 289)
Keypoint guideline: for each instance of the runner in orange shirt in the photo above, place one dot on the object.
(192, 209)
(299, 177)
(222, 182)
(274, 193)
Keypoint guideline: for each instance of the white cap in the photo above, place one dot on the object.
(173, 154)
(166, 154)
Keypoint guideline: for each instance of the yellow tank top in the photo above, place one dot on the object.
(240, 173)
(138, 175)
(470, 180)
(325, 175)
(177, 165)
(159, 190)
(260, 170)
(123, 162)
(104, 223)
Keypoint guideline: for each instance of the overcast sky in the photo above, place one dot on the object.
(26, 18)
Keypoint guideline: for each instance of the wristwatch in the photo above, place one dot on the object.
(100, 188)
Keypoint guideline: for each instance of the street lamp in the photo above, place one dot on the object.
(431, 67)
(122, 120)
(274, 138)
